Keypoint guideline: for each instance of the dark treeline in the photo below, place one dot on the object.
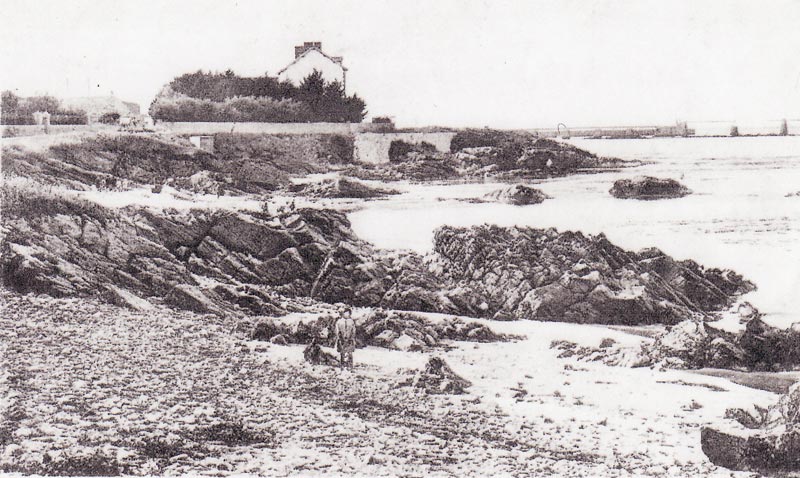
(225, 96)
(17, 110)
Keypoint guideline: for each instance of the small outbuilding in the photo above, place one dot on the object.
(204, 142)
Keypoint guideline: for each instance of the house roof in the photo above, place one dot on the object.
(334, 59)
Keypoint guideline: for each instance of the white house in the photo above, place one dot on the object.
(309, 57)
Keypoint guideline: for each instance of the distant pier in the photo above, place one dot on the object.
(781, 127)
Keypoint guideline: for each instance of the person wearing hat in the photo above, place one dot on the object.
(344, 331)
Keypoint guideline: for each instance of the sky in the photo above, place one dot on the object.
(511, 64)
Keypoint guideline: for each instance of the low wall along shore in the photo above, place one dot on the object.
(371, 142)
(271, 128)
(37, 129)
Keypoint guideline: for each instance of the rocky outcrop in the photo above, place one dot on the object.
(512, 154)
(439, 167)
(409, 332)
(314, 354)
(379, 328)
(773, 447)
(438, 378)
(253, 163)
(513, 273)
(648, 188)
(197, 260)
(518, 195)
(251, 262)
(341, 188)
(400, 151)
(691, 344)
(477, 154)
(608, 352)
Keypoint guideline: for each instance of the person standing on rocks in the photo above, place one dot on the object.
(344, 331)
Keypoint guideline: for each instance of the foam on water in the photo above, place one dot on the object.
(738, 217)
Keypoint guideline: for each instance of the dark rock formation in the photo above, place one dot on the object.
(518, 154)
(314, 354)
(219, 261)
(609, 352)
(410, 332)
(508, 273)
(770, 348)
(253, 163)
(518, 195)
(438, 167)
(774, 448)
(400, 150)
(392, 330)
(246, 262)
(648, 188)
(692, 344)
(478, 154)
(341, 188)
(438, 378)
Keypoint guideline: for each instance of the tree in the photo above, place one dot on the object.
(313, 85)
(10, 101)
(42, 103)
(313, 100)
(356, 109)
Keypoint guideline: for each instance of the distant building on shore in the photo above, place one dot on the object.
(309, 57)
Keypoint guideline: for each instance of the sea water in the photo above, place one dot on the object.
(738, 217)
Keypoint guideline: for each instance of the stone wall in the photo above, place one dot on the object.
(270, 128)
(36, 129)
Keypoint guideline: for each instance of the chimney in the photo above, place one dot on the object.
(300, 49)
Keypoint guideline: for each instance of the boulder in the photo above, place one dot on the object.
(723, 449)
(438, 378)
(774, 446)
(648, 188)
(279, 340)
(314, 354)
(518, 195)
(406, 342)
